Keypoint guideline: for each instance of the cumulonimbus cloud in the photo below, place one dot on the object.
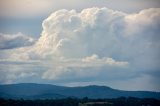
(104, 32)
(99, 31)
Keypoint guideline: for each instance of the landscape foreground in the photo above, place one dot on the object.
(122, 101)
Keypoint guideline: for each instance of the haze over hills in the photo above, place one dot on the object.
(47, 91)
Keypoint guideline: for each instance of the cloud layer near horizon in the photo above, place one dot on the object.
(105, 44)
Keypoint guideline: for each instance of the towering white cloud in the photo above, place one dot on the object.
(100, 31)
(71, 34)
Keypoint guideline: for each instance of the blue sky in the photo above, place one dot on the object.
(82, 42)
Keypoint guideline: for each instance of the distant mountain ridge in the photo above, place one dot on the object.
(47, 91)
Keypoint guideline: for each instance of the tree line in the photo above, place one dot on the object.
(122, 101)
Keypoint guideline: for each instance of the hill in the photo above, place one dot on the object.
(47, 91)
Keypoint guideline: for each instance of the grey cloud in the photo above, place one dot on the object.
(15, 41)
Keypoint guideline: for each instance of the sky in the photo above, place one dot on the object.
(114, 43)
